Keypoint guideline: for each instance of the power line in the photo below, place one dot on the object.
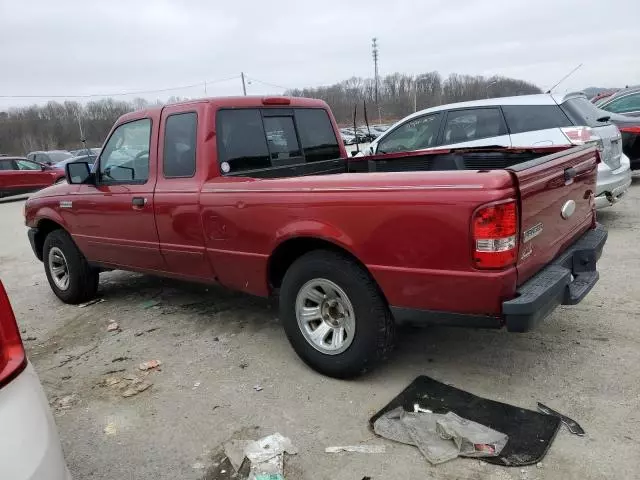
(122, 94)
(267, 83)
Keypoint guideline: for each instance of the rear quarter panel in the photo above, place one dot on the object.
(410, 229)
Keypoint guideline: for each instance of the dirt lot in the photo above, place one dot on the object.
(216, 346)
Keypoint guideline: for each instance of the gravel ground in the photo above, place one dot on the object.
(216, 346)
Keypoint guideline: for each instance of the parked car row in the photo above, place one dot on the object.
(362, 134)
(19, 175)
(543, 120)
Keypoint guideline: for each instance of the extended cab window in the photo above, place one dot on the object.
(416, 134)
(473, 124)
(528, 118)
(179, 158)
(282, 141)
(125, 158)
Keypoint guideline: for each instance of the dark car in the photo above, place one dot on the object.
(78, 158)
(625, 102)
(630, 130)
(49, 157)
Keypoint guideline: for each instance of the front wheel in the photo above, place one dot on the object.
(69, 274)
(334, 315)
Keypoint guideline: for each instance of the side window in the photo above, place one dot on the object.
(6, 165)
(282, 141)
(416, 134)
(629, 103)
(528, 118)
(27, 165)
(316, 135)
(473, 124)
(179, 158)
(242, 144)
(125, 158)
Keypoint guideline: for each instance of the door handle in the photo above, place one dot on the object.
(138, 202)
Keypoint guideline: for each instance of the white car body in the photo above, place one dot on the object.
(29, 444)
(614, 173)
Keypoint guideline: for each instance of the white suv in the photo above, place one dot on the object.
(525, 121)
(29, 443)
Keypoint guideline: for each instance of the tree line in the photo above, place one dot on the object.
(400, 94)
(58, 125)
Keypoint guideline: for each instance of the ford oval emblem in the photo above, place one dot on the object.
(567, 209)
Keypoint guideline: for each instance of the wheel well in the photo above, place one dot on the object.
(289, 251)
(45, 227)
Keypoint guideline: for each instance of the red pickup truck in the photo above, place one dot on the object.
(259, 195)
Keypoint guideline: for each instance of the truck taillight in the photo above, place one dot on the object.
(495, 235)
(630, 129)
(12, 356)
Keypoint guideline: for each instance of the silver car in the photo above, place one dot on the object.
(523, 121)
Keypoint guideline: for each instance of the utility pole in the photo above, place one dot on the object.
(374, 52)
(244, 86)
(205, 88)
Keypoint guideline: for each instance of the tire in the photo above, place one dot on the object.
(82, 284)
(372, 331)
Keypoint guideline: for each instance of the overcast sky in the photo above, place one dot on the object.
(74, 47)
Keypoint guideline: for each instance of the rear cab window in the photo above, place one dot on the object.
(261, 138)
(528, 118)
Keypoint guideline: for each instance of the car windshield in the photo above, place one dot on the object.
(58, 156)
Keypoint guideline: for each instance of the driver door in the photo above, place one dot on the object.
(114, 219)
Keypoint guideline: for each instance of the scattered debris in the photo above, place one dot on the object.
(110, 381)
(110, 429)
(120, 359)
(142, 332)
(257, 388)
(66, 402)
(267, 457)
(357, 449)
(113, 326)
(198, 466)
(65, 377)
(539, 465)
(196, 385)
(91, 302)
(418, 409)
(117, 370)
(30, 339)
(148, 365)
(216, 339)
(243, 365)
(135, 388)
(440, 437)
(70, 358)
(149, 304)
(573, 426)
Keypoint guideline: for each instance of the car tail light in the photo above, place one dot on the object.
(495, 235)
(635, 130)
(12, 356)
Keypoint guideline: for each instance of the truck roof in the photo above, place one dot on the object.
(234, 102)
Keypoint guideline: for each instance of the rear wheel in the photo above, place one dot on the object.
(334, 315)
(69, 274)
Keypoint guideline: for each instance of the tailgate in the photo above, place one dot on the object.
(611, 144)
(556, 205)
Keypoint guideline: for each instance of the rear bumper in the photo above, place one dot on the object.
(612, 184)
(29, 445)
(565, 281)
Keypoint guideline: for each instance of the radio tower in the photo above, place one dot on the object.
(374, 52)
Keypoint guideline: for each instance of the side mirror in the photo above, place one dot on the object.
(77, 173)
